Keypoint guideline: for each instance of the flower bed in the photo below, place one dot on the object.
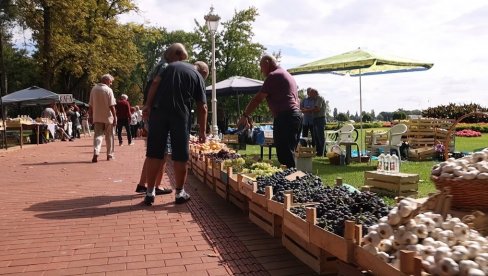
(468, 133)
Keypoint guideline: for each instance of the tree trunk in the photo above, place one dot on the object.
(3, 71)
(47, 46)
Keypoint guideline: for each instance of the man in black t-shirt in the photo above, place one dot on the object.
(168, 110)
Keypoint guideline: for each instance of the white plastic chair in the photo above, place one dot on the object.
(334, 137)
(394, 140)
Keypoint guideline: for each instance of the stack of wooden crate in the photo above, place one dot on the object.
(424, 133)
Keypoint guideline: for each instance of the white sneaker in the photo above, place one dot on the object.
(132, 143)
(182, 197)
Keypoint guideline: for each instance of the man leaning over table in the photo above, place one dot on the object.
(280, 91)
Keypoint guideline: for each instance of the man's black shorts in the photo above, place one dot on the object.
(160, 124)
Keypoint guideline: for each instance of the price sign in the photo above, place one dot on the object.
(66, 98)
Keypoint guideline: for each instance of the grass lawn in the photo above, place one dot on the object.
(353, 173)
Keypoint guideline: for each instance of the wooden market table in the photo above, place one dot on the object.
(24, 126)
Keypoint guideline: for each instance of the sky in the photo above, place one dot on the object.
(451, 34)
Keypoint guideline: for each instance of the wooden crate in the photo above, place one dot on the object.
(259, 199)
(316, 258)
(341, 247)
(409, 263)
(238, 199)
(247, 184)
(300, 227)
(221, 188)
(399, 184)
(424, 153)
(302, 152)
(230, 139)
(208, 173)
(217, 168)
(274, 207)
(260, 216)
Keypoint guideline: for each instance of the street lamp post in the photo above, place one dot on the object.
(212, 24)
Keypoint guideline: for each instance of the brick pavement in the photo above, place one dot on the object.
(60, 214)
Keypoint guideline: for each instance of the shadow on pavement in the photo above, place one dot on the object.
(89, 207)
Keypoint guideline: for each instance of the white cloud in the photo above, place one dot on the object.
(451, 34)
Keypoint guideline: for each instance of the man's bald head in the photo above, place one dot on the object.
(268, 64)
(202, 68)
(175, 52)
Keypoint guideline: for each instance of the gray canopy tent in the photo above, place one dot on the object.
(236, 85)
(26, 97)
(31, 96)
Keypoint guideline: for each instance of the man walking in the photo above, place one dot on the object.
(123, 118)
(103, 116)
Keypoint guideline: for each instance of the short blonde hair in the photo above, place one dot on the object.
(107, 77)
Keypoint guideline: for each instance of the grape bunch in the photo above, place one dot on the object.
(222, 155)
(338, 204)
(261, 169)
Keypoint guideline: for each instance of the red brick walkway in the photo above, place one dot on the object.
(62, 215)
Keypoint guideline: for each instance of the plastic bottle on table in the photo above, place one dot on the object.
(381, 160)
(395, 164)
(386, 163)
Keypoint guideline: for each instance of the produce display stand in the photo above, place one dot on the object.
(392, 184)
(423, 134)
(322, 250)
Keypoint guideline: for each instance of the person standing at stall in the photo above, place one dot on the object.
(306, 107)
(319, 121)
(101, 113)
(280, 91)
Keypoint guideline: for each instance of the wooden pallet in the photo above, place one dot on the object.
(260, 216)
(399, 184)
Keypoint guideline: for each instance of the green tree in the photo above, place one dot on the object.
(335, 113)
(399, 115)
(373, 115)
(342, 117)
(78, 41)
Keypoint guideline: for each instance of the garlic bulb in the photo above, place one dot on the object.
(447, 267)
(475, 272)
(466, 265)
(385, 230)
(385, 245)
(394, 218)
(459, 253)
(372, 238)
(409, 238)
(421, 231)
(371, 249)
(442, 253)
